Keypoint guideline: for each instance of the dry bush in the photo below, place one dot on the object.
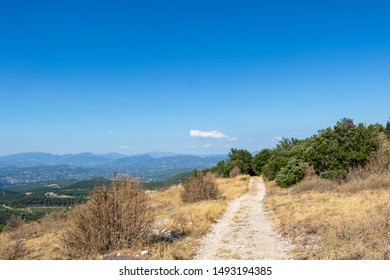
(12, 239)
(378, 163)
(13, 223)
(10, 248)
(115, 218)
(235, 172)
(314, 183)
(54, 220)
(200, 187)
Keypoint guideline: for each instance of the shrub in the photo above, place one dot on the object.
(13, 223)
(259, 160)
(12, 247)
(336, 150)
(235, 172)
(275, 163)
(114, 218)
(290, 175)
(219, 169)
(336, 175)
(242, 159)
(199, 187)
(387, 129)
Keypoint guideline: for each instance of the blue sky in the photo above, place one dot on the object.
(194, 77)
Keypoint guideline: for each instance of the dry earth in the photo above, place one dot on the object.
(244, 231)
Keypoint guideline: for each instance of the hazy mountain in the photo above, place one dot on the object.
(43, 167)
(29, 160)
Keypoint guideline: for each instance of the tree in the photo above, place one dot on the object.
(387, 129)
(334, 151)
(274, 164)
(242, 159)
(291, 174)
(259, 160)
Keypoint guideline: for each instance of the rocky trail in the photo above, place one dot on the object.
(244, 231)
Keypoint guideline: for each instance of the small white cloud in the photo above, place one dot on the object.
(111, 133)
(206, 146)
(124, 147)
(213, 134)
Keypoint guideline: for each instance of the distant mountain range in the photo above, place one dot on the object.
(39, 167)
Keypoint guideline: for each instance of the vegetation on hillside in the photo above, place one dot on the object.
(346, 218)
(330, 220)
(89, 230)
(37, 202)
(114, 218)
(331, 153)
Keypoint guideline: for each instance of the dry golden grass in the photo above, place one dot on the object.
(334, 222)
(190, 221)
(35, 241)
(327, 220)
(42, 239)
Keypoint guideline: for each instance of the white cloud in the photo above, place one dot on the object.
(213, 134)
(111, 133)
(206, 146)
(124, 147)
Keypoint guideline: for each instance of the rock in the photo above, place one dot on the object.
(167, 236)
(144, 252)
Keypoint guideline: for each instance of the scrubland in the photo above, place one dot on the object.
(337, 220)
(177, 228)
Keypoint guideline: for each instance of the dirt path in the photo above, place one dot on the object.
(244, 231)
(7, 207)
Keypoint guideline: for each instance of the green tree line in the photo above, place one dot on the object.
(331, 153)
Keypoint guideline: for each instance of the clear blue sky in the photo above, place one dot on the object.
(194, 77)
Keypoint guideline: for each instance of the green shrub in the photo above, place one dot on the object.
(291, 174)
(275, 163)
(259, 160)
(341, 148)
(387, 129)
(337, 175)
(242, 159)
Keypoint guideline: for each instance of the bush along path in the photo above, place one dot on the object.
(244, 231)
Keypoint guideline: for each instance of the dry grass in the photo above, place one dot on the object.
(43, 239)
(191, 221)
(327, 220)
(37, 240)
(333, 223)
